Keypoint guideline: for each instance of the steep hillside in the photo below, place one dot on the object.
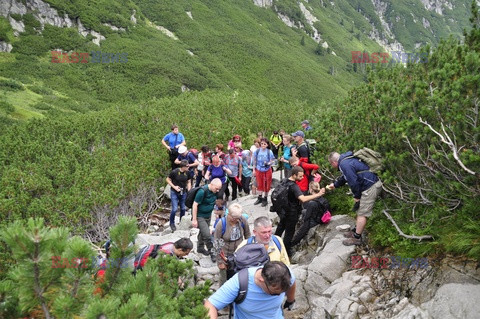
(282, 49)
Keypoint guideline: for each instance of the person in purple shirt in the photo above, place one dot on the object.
(218, 170)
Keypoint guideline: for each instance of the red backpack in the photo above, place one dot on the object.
(149, 251)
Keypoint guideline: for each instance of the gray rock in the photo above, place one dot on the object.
(455, 301)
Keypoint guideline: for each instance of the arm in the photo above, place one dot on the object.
(291, 292)
(176, 188)
(212, 311)
(194, 213)
(240, 170)
(247, 233)
(227, 170)
(183, 140)
(189, 185)
(207, 174)
(165, 144)
(304, 198)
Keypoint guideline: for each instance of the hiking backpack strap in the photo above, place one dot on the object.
(224, 225)
(277, 242)
(243, 283)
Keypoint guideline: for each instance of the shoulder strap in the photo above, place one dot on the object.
(250, 240)
(243, 286)
(277, 242)
(224, 225)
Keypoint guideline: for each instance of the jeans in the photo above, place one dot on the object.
(176, 198)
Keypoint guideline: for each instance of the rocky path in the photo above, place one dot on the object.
(328, 286)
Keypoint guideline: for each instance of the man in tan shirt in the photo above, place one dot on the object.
(262, 233)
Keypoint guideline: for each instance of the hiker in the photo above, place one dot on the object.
(219, 151)
(234, 164)
(236, 141)
(231, 229)
(306, 125)
(309, 171)
(172, 141)
(185, 154)
(262, 234)
(287, 154)
(275, 141)
(263, 160)
(296, 198)
(301, 148)
(218, 170)
(201, 215)
(180, 184)
(247, 171)
(204, 160)
(179, 249)
(365, 186)
(314, 211)
(266, 290)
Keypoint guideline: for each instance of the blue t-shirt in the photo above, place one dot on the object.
(263, 157)
(257, 304)
(217, 172)
(246, 170)
(170, 139)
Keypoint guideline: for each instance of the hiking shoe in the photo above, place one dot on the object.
(203, 251)
(259, 200)
(173, 228)
(213, 258)
(264, 202)
(352, 241)
(348, 234)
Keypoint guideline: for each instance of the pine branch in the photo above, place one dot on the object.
(401, 233)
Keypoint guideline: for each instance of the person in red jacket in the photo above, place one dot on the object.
(309, 169)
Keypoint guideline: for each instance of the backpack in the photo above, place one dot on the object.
(252, 255)
(194, 151)
(149, 251)
(373, 159)
(324, 208)
(279, 196)
(192, 193)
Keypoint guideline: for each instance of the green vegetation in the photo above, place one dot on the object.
(56, 277)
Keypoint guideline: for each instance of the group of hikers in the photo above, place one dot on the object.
(250, 170)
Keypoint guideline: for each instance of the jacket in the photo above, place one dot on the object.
(356, 173)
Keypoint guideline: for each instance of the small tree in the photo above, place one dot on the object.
(55, 277)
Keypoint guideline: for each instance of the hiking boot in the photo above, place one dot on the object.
(352, 241)
(264, 202)
(203, 251)
(173, 228)
(348, 234)
(213, 258)
(259, 200)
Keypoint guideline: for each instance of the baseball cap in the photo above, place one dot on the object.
(305, 122)
(298, 133)
(182, 149)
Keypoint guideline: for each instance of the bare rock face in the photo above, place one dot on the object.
(263, 3)
(5, 47)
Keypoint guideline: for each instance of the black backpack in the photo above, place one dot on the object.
(192, 193)
(279, 196)
(324, 206)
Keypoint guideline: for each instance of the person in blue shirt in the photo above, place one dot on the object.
(172, 141)
(306, 125)
(365, 186)
(267, 287)
(185, 154)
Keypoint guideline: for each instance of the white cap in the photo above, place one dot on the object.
(182, 149)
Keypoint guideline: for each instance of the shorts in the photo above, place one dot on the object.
(368, 199)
